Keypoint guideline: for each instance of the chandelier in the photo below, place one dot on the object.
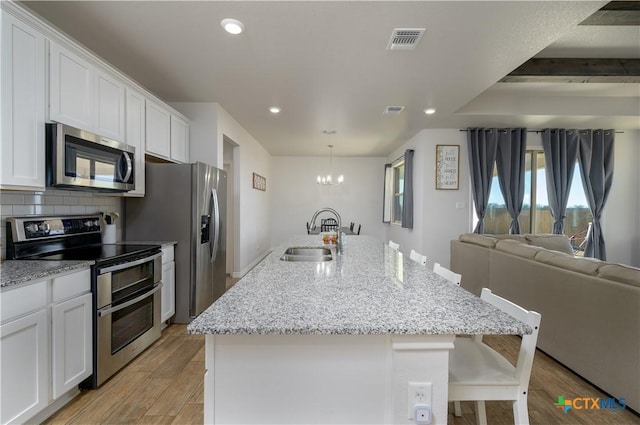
(328, 179)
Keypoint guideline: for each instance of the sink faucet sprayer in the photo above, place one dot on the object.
(312, 225)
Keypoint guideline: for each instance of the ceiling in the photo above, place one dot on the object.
(327, 66)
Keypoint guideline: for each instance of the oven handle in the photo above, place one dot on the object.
(129, 264)
(108, 311)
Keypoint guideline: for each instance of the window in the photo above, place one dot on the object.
(535, 216)
(394, 192)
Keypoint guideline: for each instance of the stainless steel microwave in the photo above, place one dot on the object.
(77, 159)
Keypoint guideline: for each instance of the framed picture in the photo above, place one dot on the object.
(259, 182)
(447, 167)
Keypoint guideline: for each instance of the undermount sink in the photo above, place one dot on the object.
(310, 254)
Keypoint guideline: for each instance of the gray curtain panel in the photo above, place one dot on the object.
(482, 146)
(510, 160)
(387, 193)
(595, 154)
(560, 155)
(407, 196)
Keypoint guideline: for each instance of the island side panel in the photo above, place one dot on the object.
(358, 379)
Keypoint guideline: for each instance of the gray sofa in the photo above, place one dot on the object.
(590, 308)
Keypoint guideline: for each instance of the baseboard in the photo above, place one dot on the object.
(240, 274)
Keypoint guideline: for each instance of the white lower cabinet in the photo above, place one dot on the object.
(71, 340)
(45, 343)
(168, 296)
(24, 356)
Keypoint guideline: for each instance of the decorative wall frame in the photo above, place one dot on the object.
(259, 182)
(447, 167)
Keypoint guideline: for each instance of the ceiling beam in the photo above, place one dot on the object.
(570, 70)
(616, 13)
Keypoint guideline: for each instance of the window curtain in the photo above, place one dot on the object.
(482, 148)
(407, 193)
(595, 155)
(510, 160)
(387, 195)
(560, 154)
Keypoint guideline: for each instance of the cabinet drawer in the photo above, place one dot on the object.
(167, 254)
(71, 285)
(22, 300)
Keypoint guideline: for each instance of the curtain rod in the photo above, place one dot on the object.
(534, 131)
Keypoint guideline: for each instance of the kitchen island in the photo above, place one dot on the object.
(336, 341)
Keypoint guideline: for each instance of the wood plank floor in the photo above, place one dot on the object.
(164, 385)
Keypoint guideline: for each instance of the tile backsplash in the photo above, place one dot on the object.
(55, 202)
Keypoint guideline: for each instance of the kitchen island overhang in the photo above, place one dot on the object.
(337, 341)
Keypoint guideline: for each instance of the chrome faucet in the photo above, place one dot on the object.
(312, 224)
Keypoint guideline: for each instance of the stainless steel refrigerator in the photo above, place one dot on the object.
(185, 203)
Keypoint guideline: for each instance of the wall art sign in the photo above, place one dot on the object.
(447, 167)
(259, 182)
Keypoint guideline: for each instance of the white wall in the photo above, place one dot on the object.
(439, 215)
(295, 195)
(621, 216)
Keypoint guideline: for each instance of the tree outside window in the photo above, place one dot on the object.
(536, 215)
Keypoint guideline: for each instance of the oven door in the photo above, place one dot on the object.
(128, 314)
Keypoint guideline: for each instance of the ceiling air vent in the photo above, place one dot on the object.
(405, 38)
(393, 109)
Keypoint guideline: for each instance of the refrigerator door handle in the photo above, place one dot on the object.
(216, 224)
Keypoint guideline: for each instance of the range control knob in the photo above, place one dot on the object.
(31, 228)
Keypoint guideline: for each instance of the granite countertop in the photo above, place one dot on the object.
(15, 272)
(368, 289)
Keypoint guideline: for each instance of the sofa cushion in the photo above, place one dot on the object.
(620, 273)
(588, 266)
(517, 248)
(519, 238)
(477, 239)
(544, 255)
(555, 242)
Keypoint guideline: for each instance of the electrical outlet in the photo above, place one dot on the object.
(419, 393)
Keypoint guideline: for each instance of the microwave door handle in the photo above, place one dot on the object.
(216, 224)
(127, 158)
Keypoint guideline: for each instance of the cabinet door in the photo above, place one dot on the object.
(23, 105)
(71, 88)
(179, 139)
(158, 130)
(24, 355)
(72, 343)
(135, 136)
(109, 106)
(168, 296)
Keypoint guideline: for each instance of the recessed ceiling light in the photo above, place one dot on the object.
(232, 26)
(430, 111)
(274, 110)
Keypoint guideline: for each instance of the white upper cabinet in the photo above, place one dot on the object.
(109, 106)
(23, 105)
(71, 88)
(167, 133)
(136, 136)
(179, 139)
(84, 96)
(158, 130)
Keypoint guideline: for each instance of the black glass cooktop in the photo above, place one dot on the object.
(100, 253)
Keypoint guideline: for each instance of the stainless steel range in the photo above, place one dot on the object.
(125, 282)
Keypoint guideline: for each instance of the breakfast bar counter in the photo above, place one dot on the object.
(336, 341)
